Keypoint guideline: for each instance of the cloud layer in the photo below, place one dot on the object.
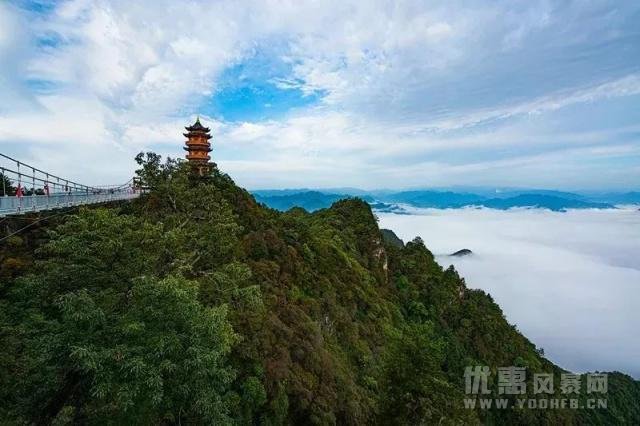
(568, 281)
(336, 93)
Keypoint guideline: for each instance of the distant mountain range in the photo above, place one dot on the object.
(308, 200)
(398, 201)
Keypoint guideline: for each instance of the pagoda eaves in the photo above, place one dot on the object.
(198, 147)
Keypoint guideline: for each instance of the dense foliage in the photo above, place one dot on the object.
(195, 304)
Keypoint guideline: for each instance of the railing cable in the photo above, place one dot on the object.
(30, 225)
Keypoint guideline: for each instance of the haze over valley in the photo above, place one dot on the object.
(569, 281)
(564, 266)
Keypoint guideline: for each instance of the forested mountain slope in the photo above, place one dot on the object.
(197, 305)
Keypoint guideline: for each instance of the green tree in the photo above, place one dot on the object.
(104, 330)
(193, 205)
(415, 390)
(6, 186)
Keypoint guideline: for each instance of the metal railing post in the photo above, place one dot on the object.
(47, 189)
(19, 188)
(33, 189)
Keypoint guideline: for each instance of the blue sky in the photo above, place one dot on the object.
(254, 89)
(323, 94)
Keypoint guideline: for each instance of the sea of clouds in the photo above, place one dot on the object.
(569, 281)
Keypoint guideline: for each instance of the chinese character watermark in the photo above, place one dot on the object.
(513, 381)
(476, 377)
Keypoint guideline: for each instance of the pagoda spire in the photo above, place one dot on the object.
(198, 147)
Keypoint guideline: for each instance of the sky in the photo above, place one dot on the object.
(375, 94)
(568, 281)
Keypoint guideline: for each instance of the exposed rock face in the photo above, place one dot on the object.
(380, 256)
(461, 253)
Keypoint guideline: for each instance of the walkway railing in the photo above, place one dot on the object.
(28, 189)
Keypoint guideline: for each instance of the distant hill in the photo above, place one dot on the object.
(546, 192)
(396, 202)
(434, 199)
(308, 200)
(617, 198)
(543, 201)
(388, 208)
(278, 192)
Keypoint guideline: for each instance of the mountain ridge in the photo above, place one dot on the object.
(195, 304)
(385, 201)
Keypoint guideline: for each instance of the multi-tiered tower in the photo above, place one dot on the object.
(198, 147)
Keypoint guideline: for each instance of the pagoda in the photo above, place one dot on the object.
(198, 147)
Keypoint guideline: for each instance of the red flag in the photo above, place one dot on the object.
(19, 191)
(46, 189)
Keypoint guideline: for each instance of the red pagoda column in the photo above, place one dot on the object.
(198, 147)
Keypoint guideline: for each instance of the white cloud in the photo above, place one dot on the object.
(78, 121)
(14, 57)
(402, 84)
(567, 280)
(625, 86)
(370, 155)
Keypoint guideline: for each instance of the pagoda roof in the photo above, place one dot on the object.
(201, 133)
(197, 127)
(192, 148)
